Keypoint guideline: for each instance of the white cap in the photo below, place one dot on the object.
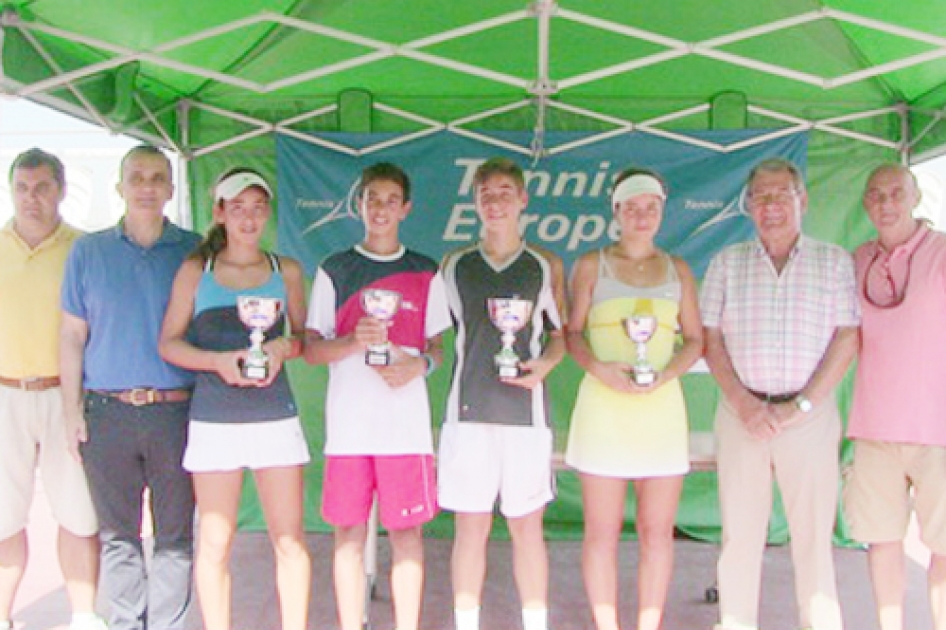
(233, 185)
(639, 184)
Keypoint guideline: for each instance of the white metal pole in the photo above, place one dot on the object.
(904, 112)
(185, 211)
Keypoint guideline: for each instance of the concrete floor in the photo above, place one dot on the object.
(42, 603)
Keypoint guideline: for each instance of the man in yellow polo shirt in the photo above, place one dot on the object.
(33, 249)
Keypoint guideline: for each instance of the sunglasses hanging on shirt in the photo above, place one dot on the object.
(895, 298)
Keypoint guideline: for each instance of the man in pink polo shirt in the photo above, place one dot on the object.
(897, 418)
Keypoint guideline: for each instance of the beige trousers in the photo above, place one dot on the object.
(804, 462)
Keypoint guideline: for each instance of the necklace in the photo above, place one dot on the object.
(639, 264)
(897, 300)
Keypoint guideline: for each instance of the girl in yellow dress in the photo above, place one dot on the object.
(624, 427)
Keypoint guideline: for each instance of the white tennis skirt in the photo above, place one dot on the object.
(221, 446)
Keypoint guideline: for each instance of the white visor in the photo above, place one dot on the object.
(237, 183)
(641, 184)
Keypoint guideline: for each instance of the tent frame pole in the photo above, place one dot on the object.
(904, 112)
(184, 158)
(541, 89)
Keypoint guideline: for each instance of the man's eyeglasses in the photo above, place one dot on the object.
(780, 197)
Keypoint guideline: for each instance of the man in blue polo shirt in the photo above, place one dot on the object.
(126, 409)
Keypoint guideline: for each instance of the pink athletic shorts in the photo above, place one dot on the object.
(406, 486)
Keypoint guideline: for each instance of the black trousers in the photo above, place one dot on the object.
(129, 449)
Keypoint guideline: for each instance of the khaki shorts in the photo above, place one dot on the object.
(478, 463)
(877, 492)
(32, 432)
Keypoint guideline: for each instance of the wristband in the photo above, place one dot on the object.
(431, 365)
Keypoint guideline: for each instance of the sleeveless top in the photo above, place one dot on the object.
(613, 301)
(618, 434)
(216, 326)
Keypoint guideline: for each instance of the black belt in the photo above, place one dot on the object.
(774, 398)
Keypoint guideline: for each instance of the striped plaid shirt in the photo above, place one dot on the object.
(776, 327)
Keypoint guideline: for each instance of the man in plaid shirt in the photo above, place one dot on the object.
(781, 318)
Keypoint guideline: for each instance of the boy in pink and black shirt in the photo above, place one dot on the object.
(378, 435)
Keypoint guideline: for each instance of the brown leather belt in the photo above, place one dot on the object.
(141, 396)
(32, 384)
(774, 398)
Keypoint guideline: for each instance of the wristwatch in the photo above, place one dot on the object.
(804, 405)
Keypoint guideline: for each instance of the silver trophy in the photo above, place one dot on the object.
(382, 305)
(640, 328)
(509, 315)
(258, 314)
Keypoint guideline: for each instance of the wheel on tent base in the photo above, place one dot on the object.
(711, 594)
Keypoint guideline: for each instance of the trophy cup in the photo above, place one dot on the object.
(509, 315)
(382, 305)
(258, 314)
(640, 328)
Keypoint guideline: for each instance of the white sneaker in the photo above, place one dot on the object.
(87, 621)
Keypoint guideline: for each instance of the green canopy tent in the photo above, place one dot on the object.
(216, 82)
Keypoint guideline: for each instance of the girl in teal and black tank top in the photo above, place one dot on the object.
(217, 326)
(241, 419)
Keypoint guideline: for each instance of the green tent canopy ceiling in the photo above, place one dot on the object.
(200, 77)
